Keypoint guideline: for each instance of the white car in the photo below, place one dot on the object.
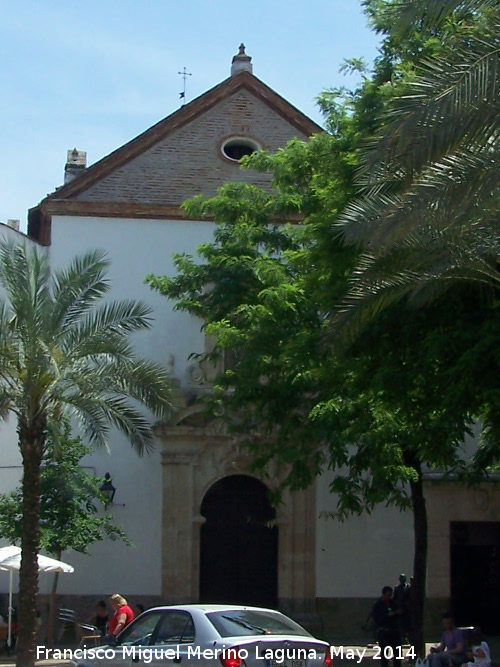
(210, 635)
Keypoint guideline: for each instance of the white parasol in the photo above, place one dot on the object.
(10, 559)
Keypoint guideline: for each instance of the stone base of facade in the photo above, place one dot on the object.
(342, 618)
(337, 620)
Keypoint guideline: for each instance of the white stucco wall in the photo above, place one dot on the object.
(353, 559)
(356, 558)
(135, 247)
(10, 457)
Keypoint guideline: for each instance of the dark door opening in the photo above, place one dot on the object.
(475, 574)
(238, 546)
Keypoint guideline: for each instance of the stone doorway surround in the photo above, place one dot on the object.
(196, 456)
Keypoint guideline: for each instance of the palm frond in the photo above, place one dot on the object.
(147, 382)
(120, 318)
(76, 345)
(144, 381)
(24, 275)
(432, 13)
(130, 421)
(420, 276)
(454, 102)
(89, 416)
(60, 352)
(459, 190)
(79, 286)
(108, 324)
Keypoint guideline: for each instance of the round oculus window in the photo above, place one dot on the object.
(237, 147)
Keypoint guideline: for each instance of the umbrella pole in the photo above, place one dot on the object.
(9, 637)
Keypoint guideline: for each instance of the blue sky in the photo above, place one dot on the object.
(93, 74)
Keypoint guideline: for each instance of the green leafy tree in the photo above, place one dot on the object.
(64, 355)
(376, 411)
(71, 517)
(373, 414)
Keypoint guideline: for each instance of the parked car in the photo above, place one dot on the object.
(212, 636)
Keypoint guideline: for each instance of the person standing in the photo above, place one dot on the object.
(122, 617)
(401, 591)
(386, 616)
(401, 597)
(100, 618)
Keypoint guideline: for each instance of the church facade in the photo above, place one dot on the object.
(202, 527)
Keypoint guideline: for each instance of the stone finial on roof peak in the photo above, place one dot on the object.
(241, 61)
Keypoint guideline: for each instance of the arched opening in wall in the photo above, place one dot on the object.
(238, 546)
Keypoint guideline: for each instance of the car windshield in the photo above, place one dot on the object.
(140, 631)
(238, 622)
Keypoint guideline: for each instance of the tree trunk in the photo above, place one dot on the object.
(31, 444)
(52, 607)
(418, 591)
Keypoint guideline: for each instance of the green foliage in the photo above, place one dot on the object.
(71, 502)
(372, 414)
(377, 407)
(428, 217)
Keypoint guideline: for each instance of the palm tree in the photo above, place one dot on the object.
(64, 355)
(429, 212)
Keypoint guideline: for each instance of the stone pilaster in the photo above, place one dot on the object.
(296, 554)
(178, 460)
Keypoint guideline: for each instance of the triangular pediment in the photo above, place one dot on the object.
(180, 156)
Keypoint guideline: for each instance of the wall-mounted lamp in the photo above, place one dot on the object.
(108, 491)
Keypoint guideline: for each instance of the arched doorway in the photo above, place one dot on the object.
(238, 546)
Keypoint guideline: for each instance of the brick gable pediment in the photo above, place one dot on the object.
(190, 160)
(179, 157)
